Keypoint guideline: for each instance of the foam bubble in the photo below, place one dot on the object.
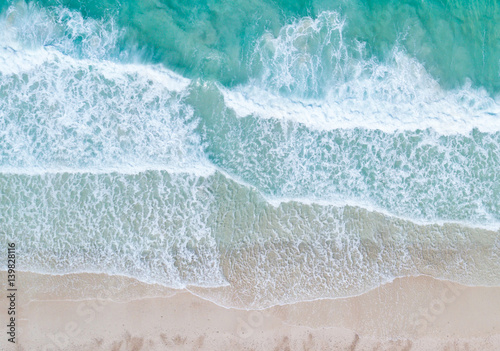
(180, 229)
(311, 74)
(29, 26)
(104, 165)
(71, 99)
(422, 175)
(152, 225)
(183, 230)
(76, 113)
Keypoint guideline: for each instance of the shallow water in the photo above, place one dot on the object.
(289, 151)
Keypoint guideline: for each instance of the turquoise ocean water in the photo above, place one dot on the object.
(288, 150)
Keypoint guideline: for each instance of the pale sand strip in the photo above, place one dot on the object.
(418, 313)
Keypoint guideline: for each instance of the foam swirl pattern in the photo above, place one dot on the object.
(292, 158)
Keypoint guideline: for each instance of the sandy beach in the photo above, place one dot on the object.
(100, 312)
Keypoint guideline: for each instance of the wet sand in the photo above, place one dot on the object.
(100, 312)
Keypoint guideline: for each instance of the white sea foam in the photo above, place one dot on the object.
(70, 100)
(447, 112)
(311, 75)
(103, 169)
(370, 206)
(152, 225)
(17, 62)
(201, 169)
(66, 112)
(179, 230)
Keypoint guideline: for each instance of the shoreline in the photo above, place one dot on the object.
(98, 312)
(192, 288)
